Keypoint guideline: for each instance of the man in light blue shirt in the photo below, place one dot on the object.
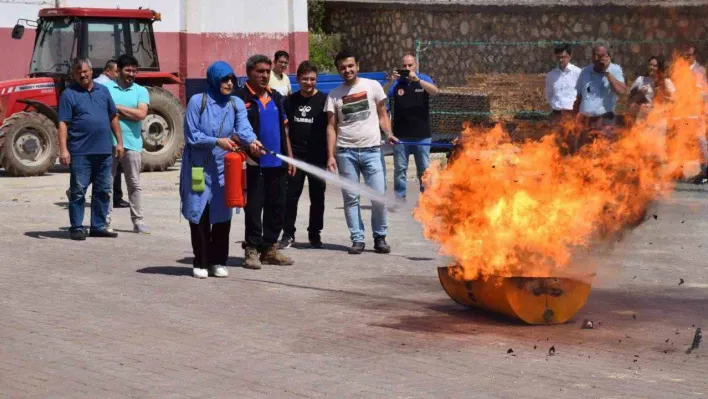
(599, 84)
(132, 101)
(110, 73)
(598, 87)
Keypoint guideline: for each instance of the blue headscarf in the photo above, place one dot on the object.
(215, 73)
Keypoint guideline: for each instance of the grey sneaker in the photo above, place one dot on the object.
(141, 229)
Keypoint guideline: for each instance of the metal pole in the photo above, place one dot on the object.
(417, 52)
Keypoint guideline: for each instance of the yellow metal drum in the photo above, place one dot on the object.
(535, 300)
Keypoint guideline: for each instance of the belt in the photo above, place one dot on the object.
(606, 115)
(375, 147)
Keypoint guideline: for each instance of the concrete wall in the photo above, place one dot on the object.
(191, 35)
(380, 33)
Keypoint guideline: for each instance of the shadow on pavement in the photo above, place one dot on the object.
(167, 270)
(232, 262)
(43, 235)
(57, 168)
(325, 246)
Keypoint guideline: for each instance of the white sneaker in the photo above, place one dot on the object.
(200, 273)
(220, 271)
(108, 227)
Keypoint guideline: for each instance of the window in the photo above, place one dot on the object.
(110, 38)
(104, 41)
(54, 47)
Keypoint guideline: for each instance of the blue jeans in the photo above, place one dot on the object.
(352, 162)
(401, 155)
(85, 170)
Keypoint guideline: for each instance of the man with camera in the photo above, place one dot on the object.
(409, 93)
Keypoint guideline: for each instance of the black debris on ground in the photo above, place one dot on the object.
(552, 351)
(681, 281)
(587, 325)
(510, 351)
(696, 341)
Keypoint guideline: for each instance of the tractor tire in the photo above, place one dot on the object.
(30, 145)
(162, 131)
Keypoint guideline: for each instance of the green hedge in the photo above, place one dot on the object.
(323, 47)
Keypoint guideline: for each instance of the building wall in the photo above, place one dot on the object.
(191, 35)
(381, 33)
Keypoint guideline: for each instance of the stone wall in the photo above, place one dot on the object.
(380, 33)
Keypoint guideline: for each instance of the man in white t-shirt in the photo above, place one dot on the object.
(356, 110)
(279, 79)
(689, 53)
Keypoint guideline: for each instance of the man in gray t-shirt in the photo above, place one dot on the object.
(356, 110)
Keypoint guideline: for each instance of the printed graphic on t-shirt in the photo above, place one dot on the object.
(355, 107)
(304, 110)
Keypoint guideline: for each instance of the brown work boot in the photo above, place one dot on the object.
(251, 260)
(273, 256)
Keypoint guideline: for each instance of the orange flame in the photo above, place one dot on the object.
(507, 209)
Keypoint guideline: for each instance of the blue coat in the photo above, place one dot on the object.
(200, 149)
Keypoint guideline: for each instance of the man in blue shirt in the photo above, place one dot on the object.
(266, 178)
(410, 95)
(598, 87)
(87, 116)
(132, 101)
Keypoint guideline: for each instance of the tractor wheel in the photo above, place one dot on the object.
(162, 131)
(31, 144)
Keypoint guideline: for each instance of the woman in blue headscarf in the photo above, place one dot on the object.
(213, 123)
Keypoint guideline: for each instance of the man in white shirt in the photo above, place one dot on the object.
(356, 110)
(279, 80)
(689, 54)
(561, 81)
(110, 73)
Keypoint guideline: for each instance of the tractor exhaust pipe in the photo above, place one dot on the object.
(533, 300)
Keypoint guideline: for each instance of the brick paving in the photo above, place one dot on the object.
(118, 318)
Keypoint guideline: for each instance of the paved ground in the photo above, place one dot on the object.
(113, 318)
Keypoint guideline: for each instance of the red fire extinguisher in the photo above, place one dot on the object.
(235, 179)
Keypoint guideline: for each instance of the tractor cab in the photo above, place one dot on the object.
(97, 34)
(28, 134)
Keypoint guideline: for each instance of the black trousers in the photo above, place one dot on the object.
(317, 189)
(117, 189)
(265, 205)
(210, 242)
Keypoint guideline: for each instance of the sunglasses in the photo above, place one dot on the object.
(229, 78)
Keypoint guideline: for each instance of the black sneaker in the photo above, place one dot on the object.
(121, 204)
(287, 242)
(357, 248)
(77, 235)
(102, 233)
(316, 241)
(700, 179)
(380, 245)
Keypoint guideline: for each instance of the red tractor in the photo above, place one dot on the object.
(28, 106)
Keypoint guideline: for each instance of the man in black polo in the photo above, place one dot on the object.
(410, 93)
(266, 177)
(307, 126)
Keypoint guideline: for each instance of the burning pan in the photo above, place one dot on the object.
(535, 300)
